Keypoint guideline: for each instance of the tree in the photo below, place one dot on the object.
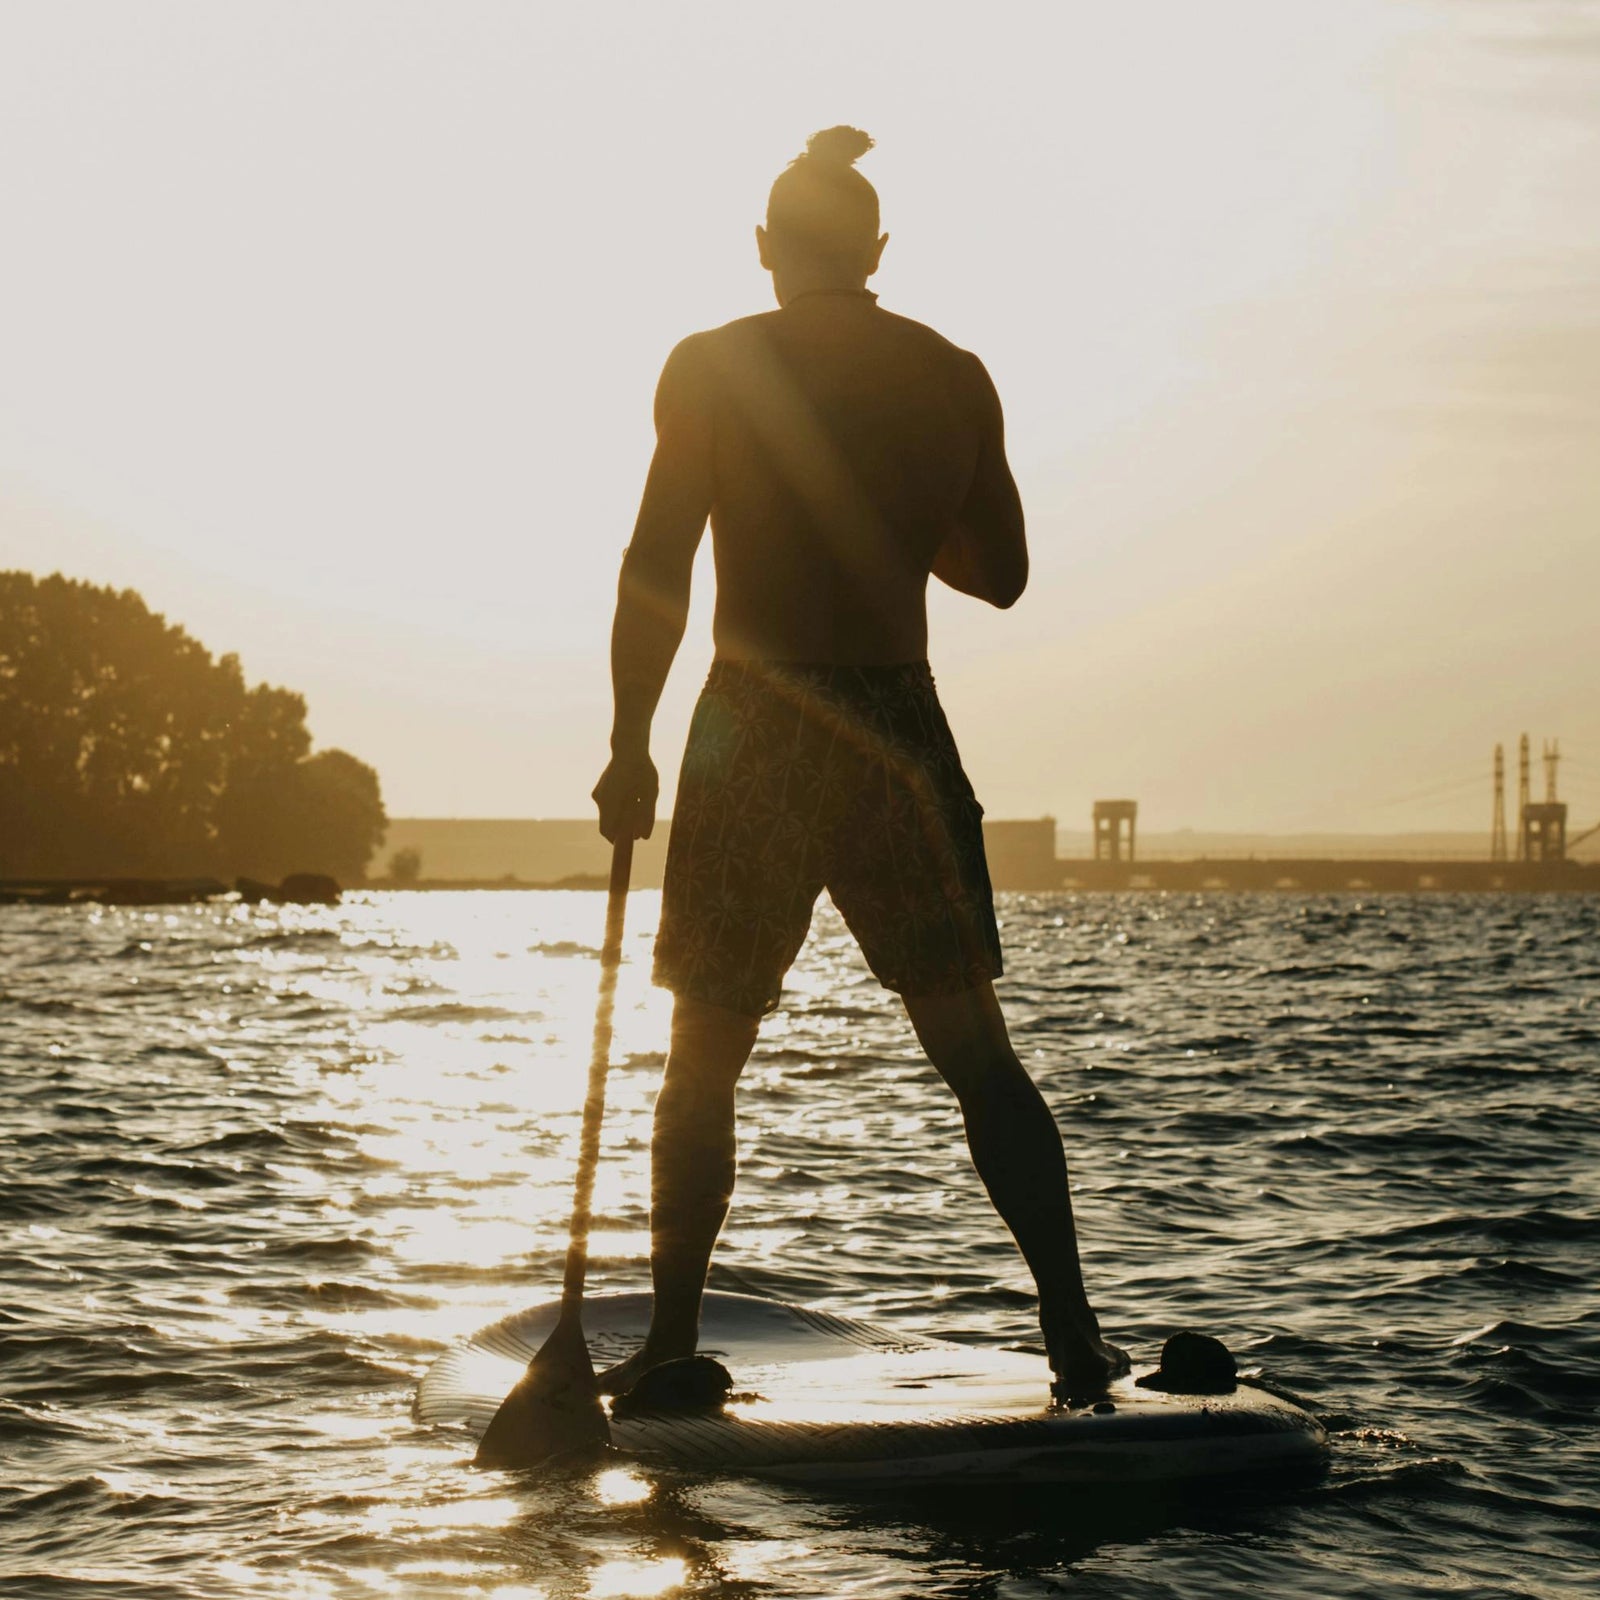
(111, 742)
(126, 750)
(344, 813)
(405, 866)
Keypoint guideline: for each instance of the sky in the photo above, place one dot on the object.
(332, 328)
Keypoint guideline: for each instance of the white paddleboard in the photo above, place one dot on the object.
(821, 1399)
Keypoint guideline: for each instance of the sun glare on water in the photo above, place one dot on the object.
(621, 1578)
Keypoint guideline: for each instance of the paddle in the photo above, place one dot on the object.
(555, 1408)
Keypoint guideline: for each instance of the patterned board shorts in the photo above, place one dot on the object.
(801, 778)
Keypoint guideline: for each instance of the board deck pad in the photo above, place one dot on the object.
(819, 1398)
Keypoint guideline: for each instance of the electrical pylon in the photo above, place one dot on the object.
(1497, 837)
(1552, 758)
(1522, 798)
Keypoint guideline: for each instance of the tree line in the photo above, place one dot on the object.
(126, 750)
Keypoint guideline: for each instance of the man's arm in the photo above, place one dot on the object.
(986, 554)
(653, 591)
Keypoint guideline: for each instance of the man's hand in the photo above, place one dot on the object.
(626, 796)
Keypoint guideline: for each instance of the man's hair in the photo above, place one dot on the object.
(820, 203)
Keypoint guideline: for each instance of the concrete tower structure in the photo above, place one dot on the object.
(1109, 816)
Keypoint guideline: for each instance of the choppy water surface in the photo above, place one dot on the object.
(263, 1164)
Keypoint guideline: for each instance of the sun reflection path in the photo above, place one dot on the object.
(429, 1055)
(637, 1577)
(462, 1087)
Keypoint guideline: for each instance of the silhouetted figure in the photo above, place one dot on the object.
(842, 454)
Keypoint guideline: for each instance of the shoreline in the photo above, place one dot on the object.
(1252, 875)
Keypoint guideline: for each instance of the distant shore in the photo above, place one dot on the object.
(573, 880)
(1267, 874)
(1261, 875)
(299, 888)
(1029, 854)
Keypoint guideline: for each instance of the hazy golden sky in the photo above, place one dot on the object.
(333, 328)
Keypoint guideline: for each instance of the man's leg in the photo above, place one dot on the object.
(692, 1158)
(1016, 1148)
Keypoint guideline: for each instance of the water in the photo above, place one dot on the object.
(263, 1164)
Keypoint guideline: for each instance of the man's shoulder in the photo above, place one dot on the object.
(697, 356)
(704, 364)
(726, 333)
(966, 374)
(919, 332)
(762, 324)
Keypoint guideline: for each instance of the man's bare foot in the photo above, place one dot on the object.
(622, 1377)
(1087, 1368)
(1083, 1362)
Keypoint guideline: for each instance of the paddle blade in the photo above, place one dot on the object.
(554, 1410)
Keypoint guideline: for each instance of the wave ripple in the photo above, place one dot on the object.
(267, 1162)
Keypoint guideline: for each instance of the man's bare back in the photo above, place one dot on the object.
(841, 454)
(845, 447)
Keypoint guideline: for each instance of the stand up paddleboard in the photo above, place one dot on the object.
(820, 1399)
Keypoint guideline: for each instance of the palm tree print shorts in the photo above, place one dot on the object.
(801, 778)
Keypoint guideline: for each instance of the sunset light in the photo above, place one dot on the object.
(799, 802)
(334, 331)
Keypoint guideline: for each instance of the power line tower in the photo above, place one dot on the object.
(1497, 836)
(1552, 759)
(1522, 798)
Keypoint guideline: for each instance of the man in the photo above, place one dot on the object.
(842, 454)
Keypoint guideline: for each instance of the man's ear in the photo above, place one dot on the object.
(762, 247)
(877, 254)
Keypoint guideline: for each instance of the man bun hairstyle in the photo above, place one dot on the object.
(820, 203)
(841, 145)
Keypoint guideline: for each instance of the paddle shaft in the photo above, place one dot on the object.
(594, 1104)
